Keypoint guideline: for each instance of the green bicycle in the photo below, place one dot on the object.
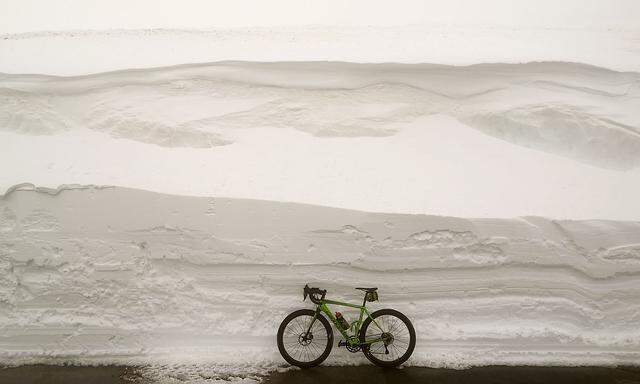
(305, 338)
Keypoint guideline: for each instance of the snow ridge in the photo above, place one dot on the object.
(50, 191)
(581, 112)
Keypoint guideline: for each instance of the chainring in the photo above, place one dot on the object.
(356, 345)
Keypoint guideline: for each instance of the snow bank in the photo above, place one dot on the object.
(378, 137)
(121, 273)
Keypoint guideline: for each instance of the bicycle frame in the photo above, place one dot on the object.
(355, 325)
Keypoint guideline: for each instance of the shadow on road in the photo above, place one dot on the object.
(480, 375)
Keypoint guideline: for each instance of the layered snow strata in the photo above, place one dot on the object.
(115, 272)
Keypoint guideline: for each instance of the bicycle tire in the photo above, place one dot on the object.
(281, 345)
(366, 350)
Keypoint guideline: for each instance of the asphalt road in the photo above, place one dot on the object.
(47, 374)
(55, 374)
(481, 375)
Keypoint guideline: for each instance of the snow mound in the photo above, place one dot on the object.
(567, 130)
(585, 113)
(116, 273)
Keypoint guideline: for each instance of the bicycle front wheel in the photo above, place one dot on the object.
(395, 337)
(302, 345)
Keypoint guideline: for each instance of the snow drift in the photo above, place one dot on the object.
(582, 112)
(113, 272)
(480, 141)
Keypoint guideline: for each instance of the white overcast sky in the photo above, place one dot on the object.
(39, 15)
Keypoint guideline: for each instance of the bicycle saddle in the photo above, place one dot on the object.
(368, 289)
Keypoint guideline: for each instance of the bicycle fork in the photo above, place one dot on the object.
(315, 316)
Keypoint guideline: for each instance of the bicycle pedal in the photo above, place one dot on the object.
(342, 343)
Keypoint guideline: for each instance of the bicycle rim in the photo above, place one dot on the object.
(305, 348)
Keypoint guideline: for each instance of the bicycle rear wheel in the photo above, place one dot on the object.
(304, 349)
(399, 338)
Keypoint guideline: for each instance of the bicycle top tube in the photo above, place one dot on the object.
(342, 304)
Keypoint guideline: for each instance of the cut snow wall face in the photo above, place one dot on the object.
(114, 271)
(580, 112)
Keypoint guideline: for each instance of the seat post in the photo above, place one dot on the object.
(364, 301)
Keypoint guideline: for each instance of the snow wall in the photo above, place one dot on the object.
(116, 272)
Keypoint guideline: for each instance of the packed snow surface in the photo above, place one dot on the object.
(122, 273)
(548, 139)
